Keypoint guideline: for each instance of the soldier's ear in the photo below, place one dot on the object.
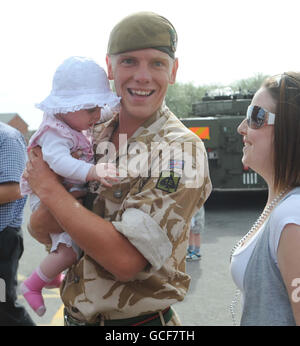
(109, 68)
(174, 72)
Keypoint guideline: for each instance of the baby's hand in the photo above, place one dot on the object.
(106, 172)
(103, 172)
(77, 154)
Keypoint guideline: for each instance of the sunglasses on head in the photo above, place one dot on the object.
(257, 117)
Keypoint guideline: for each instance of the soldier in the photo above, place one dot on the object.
(135, 238)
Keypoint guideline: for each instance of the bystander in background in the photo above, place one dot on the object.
(12, 163)
(197, 228)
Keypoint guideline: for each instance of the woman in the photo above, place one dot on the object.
(265, 264)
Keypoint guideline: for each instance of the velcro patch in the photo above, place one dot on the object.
(168, 181)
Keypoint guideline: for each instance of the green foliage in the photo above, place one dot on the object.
(180, 96)
(249, 84)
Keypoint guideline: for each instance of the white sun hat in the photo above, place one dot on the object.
(78, 83)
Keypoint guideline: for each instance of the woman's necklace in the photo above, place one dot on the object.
(262, 218)
(258, 223)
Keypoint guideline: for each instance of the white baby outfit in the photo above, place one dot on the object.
(58, 141)
(78, 83)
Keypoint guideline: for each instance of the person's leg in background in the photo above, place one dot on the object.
(11, 250)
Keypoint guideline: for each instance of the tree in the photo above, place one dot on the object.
(181, 96)
(251, 84)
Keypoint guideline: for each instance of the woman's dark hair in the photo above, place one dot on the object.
(285, 90)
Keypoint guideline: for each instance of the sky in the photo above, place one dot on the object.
(219, 41)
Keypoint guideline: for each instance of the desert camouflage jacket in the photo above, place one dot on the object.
(164, 180)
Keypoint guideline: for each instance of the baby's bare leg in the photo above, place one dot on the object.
(57, 261)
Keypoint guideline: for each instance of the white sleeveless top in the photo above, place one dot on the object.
(285, 213)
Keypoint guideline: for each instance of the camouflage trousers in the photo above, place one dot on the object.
(170, 318)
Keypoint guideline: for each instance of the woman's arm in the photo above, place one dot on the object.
(96, 236)
(289, 264)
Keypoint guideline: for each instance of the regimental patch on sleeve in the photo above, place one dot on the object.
(168, 181)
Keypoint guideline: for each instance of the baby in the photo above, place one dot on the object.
(80, 96)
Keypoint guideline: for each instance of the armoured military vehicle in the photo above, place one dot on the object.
(215, 120)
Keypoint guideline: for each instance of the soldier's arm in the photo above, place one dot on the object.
(95, 236)
(42, 222)
(159, 209)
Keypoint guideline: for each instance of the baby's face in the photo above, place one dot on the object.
(83, 119)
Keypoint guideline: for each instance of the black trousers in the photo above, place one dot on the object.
(11, 250)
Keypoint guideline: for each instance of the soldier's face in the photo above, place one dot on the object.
(258, 143)
(141, 78)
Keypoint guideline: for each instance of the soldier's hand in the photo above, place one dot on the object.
(37, 172)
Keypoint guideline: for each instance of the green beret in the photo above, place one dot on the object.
(143, 30)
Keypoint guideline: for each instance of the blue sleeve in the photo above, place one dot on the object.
(12, 159)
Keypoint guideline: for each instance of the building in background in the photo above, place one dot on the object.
(14, 120)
